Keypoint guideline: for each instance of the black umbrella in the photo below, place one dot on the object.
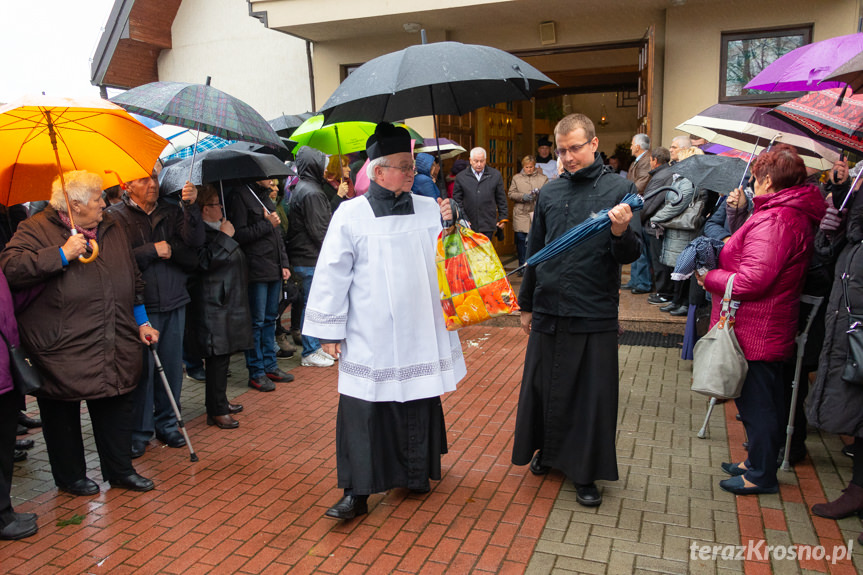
(281, 153)
(222, 164)
(284, 125)
(719, 174)
(431, 79)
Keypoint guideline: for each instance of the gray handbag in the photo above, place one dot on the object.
(719, 367)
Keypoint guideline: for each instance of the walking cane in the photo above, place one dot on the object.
(800, 340)
(180, 423)
(702, 433)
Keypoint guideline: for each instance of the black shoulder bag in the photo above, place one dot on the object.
(25, 374)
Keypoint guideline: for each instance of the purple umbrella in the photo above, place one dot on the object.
(802, 70)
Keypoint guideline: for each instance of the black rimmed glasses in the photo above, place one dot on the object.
(571, 150)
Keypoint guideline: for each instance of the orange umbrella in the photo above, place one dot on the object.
(42, 137)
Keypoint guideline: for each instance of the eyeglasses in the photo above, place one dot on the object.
(216, 205)
(571, 150)
(406, 170)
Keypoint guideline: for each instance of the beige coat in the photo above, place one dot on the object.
(522, 209)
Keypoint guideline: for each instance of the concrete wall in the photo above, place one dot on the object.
(264, 68)
(693, 43)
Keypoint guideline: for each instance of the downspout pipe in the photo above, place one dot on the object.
(311, 75)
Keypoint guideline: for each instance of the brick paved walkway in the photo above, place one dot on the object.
(254, 501)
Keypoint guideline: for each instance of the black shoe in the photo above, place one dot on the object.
(680, 311)
(197, 373)
(848, 450)
(657, 299)
(27, 421)
(349, 507)
(24, 444)
(234, 408)
(280, 376)
(738, 417)
(18, 529)
(262, 383)
(284, 354)
(746, 445)
(536, 466)
(223, 421)
(84, 486)
(639, 291)
(172, 439)
(138, 448)
(133, 482)
(670, 306)
(24, 516)
(588, 495)
(21, 430)
(19, 456)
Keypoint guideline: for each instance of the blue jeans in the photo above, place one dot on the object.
(639, 273)
(151, 408)
(306, 273)
(264, 305)
(521, 246)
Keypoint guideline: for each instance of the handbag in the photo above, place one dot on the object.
(25, 374)
(719, 366)
(853, 371)
(691, 219)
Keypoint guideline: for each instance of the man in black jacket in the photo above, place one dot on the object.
(256, 226)
(309, 217)
(654, 198)
(164, 239)
(479, 192)
(567, 408)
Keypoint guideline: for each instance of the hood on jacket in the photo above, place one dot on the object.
(805, 198)
(594, 171)
(424, 163)
(310, 164)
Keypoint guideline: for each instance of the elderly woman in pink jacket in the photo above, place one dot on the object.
(770, 254)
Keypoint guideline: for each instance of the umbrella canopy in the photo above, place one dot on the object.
(206, 143)
(851, 73)
(803, 69)
(742, 128)
(221, 164)
(721, 150)
(430, 79)
(719, 174)
(578, 234)
(91, 134)
(199, 107)
(285, 125)
(818, 114)
(448, 148)
(281, 153)
(340, 138)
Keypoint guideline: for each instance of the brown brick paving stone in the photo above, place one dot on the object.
(254, 502)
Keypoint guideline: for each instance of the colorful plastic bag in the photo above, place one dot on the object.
(473, 284)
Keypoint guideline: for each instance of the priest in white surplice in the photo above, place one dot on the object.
(375, 304)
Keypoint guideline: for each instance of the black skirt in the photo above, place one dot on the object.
(567, 406)
(384, 445)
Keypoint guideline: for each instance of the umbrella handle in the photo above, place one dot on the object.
(93, 245)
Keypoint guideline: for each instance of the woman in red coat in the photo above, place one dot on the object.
(770, 254)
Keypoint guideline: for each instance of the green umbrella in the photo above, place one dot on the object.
(340, 138)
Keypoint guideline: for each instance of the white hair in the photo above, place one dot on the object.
(370, 169)
(478, 151)
(642, 141)
(683, 142)
(80, 185)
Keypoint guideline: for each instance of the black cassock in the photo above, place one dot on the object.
(568, 402)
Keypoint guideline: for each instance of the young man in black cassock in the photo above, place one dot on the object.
(567, 408)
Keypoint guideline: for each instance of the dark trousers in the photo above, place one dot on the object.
(112, 430)
(761, 405)
(215, 397)
(521, 246)
(661, 272)
(8, 424)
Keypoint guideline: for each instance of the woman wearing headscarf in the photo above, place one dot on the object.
(84, 328)
(769, 254)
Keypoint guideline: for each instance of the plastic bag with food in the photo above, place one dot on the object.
(473, 284)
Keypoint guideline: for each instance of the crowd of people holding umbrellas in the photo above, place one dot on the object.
(198, 257)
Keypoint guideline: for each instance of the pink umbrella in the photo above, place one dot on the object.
(802, 70)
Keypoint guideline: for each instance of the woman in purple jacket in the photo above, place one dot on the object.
(770, 254)
(12, 525)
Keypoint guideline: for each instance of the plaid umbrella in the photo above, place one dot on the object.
(208, 143)
(578, 234)
(199, 107)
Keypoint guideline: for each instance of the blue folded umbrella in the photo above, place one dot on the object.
(577, 234)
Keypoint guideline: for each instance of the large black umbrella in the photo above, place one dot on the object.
(283, 154)
(222, 164)
(431, 79)
(284, 125)
(719, 174)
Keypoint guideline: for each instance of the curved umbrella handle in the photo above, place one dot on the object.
(93, 256)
